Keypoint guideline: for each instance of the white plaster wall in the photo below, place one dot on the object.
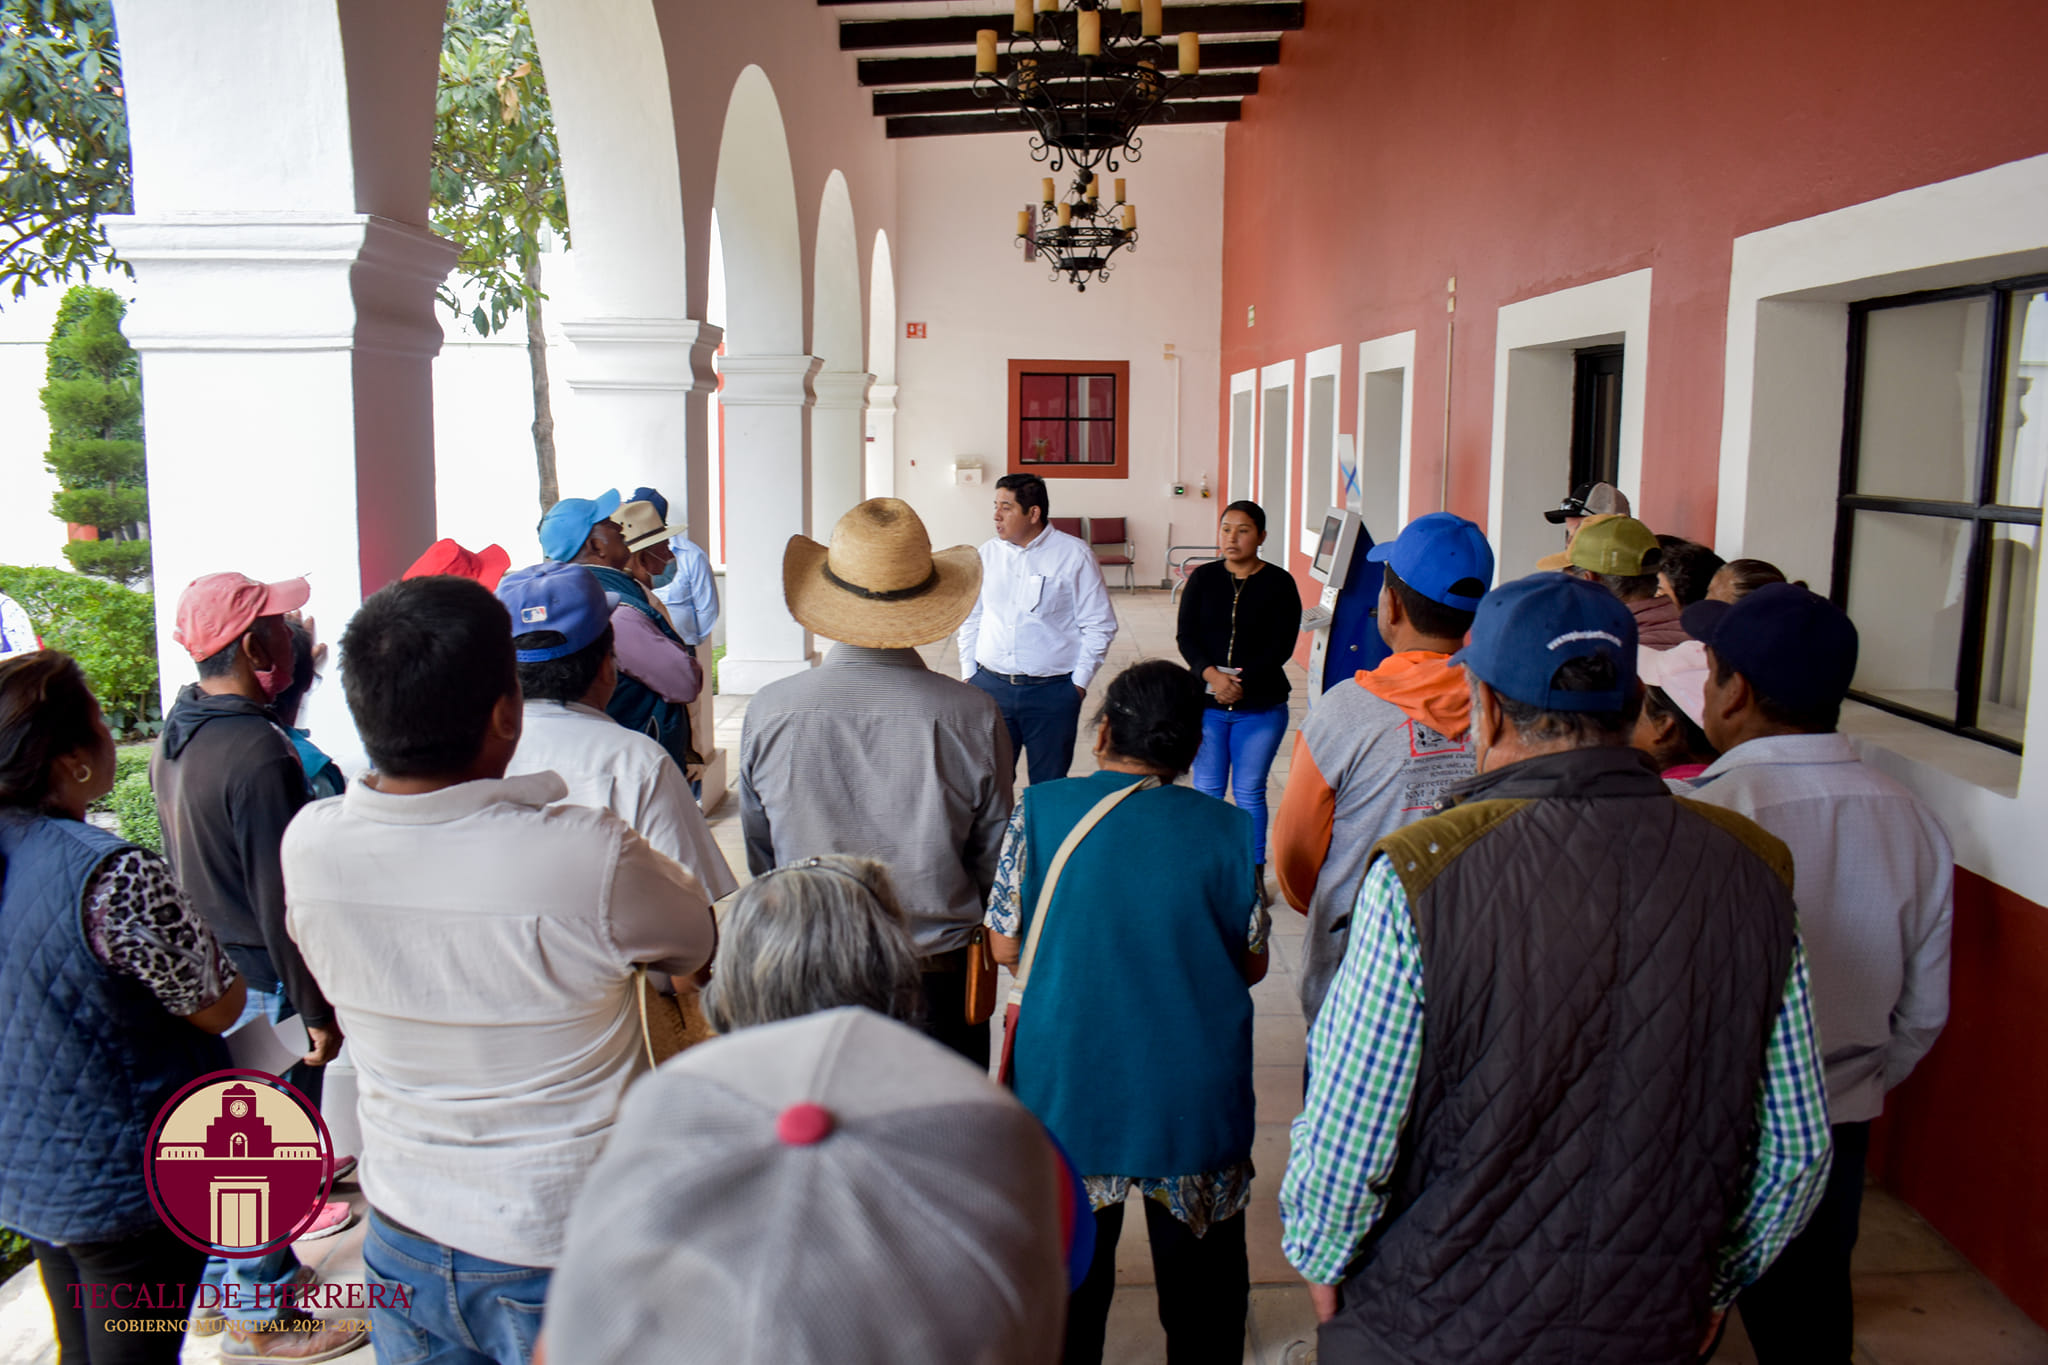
(962, 274)
(1781, 441)
(28, 533)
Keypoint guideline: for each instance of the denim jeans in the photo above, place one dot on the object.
(1043, 716)
(275, 1268)
(1239, 746)
(465, 1309)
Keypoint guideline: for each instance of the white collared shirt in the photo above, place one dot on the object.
(1043, 610)
(1874, 881)
(478, 945)
(623, 771)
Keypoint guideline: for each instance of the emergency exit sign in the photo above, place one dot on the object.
(914, 330)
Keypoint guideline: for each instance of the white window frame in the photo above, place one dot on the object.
(1379, 357)
(1533, 371)
(1244, 381)
(1326, 363)
(1279, 510)
(1789, 290)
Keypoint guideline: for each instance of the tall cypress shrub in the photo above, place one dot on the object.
(94, 399)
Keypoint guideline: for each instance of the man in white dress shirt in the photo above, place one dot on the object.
(1040, 628)
(1874, 880)
(562, 638)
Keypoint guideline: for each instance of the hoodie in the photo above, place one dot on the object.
(1374, 754)
(228, 781)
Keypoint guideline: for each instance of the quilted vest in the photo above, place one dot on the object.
(1602, 967)
(87, 1056)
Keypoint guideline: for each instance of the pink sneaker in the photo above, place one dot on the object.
(344, 1169)
(333, 1218)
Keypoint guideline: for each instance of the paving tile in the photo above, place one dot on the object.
(1280, 1316)
(1279, 1039)
(1277, 1092)
(1942, 1316)
(1892, 1239)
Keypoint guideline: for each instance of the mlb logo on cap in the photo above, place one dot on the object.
(564, 598)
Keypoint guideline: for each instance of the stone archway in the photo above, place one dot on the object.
(838, 429)
(881, 421)
(767, 391)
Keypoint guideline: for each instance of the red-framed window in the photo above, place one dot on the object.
(1070, 419)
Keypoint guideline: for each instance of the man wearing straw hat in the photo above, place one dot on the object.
(876, 755)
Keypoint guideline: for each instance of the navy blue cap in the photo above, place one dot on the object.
(1434, 553)
(569, 523)
(654, 496)
(558, 597)
(1796, 648)
(1527, 629)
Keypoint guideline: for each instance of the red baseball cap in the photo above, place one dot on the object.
(217, 610)
(486, 566)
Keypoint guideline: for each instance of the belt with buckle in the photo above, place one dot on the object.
(1021, 679)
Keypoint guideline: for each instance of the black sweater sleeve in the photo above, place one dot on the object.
(1196, 602)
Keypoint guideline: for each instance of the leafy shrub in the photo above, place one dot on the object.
(109, 629)
(129, 760)
(94, 399)
(14, 1253)
(135, 807)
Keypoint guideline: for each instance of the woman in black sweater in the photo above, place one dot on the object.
(1238, 619)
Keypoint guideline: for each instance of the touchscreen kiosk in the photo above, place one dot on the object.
(1345, 629)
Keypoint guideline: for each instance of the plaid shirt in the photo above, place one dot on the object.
(1366, 1047)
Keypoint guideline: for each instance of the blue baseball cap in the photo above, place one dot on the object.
(1796, 648)
(1436, 553)
(1526, 629)
(654, 496)
(560, 597)
(568, 524)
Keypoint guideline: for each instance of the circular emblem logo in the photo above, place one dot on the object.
(239, 1163)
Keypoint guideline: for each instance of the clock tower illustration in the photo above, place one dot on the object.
(239, 1161)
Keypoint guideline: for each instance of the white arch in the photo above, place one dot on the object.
(838, 430)
(881, 423)
(766, 397)
(755, 198)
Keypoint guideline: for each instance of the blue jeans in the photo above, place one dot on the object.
(1239, 746)
(275, 1268)
(1043, 716)
(465, 1310)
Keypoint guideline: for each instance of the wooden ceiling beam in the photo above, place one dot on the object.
(953, 125)
(958, 30)
(929, 71)
(961, 99)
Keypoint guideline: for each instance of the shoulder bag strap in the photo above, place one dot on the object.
(1052, 878)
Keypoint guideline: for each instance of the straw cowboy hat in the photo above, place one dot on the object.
(880, 584)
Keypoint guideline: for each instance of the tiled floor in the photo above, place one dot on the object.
(1917, 1301)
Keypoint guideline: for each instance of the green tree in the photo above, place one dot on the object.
(109, 629)
(63, 140)
(497, 184)
(94, 398)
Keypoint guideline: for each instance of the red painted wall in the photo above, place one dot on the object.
(1963, 1139)
(1528, 147)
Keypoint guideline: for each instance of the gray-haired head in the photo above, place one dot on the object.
(813, 936)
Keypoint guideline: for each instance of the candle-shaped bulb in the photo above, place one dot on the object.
(1119, 189)
(1048, 6)
(1130, 217)
(1128, 6)
(1066, 215)
(1023, 222)
(1089, 41)
(1022, 22)
(1190, 52)
(1154, 12)
(985, 52)
(1095, 187)
(1046, 191)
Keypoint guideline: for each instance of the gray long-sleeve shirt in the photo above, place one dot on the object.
(874, 754)
(1874, 881)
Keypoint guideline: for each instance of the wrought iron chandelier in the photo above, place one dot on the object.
(1086, 77)
(1078, 237)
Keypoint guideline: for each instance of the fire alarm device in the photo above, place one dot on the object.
(914, 331)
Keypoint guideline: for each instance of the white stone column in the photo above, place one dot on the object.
(287, 371)
(642, 387)
(881, 442)
(838, 446)
(767, 403)
(636, 380)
